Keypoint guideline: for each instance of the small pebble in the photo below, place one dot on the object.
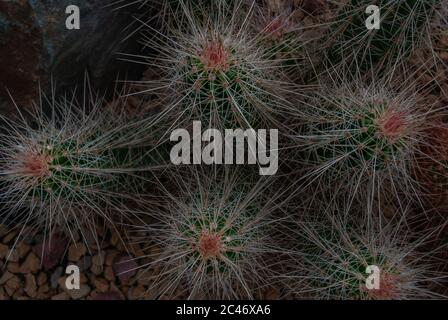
(31, 264)
(3, 250)
(80, 293)
(76, 251)
(30, 286)
(61, 296)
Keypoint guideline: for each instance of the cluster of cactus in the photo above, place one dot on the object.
(218, 232)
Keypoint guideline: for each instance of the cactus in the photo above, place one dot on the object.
(334, 257)
(361, 141)
(65, 168)
(216, 73)
(213, 241)
(404, 25)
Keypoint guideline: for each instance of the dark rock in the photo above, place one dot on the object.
(35, 45)
(22, 56)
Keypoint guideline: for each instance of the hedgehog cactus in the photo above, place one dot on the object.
(364, 140)
(214, 239)
(340, 259)
(220, 85)
(373, 135)
(216, 73)
(211, 243)
(404, 25)
(61, 170)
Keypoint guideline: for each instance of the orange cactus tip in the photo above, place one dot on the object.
(215, 56)
(209, 245)
(392, 125)
(33, 163)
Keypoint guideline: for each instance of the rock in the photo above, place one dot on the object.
(137, 292)
(5, 277)
(23, 51)
(19, 294)
(41, 279)
(51, 250)
(125, 267)
(30, 286)
(114, 288)
(3, 251)
(76, 251)
(23, 249)
(98, 260)
(109, 274)
(101, 285)
(13, 267)
(80, 293)
(110, 257)
(10, 236)
(96, 270)
(42, 292)
(31, 264)
(83, 278)
(13, 284)
(61, 296)
(12, 256)
(55, 276)
(9, 291)
(35, 43)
